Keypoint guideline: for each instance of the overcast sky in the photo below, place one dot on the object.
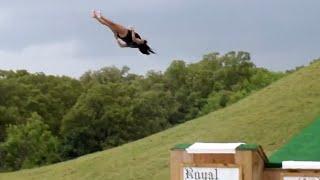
(59, 37)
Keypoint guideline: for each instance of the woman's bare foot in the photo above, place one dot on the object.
(94, 14)
(98, 13)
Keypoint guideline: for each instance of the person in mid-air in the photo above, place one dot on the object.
(124, 36)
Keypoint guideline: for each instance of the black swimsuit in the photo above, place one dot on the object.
(128, 39)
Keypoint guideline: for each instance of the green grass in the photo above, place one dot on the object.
(305, 146)
(269, 117)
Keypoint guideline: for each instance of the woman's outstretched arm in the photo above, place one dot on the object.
(121, 43)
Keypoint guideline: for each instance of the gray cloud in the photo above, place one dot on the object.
(279, 34)
(62, 58)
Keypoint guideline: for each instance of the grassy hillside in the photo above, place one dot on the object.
(268, 117)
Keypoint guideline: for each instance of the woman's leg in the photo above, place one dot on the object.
(115, 28)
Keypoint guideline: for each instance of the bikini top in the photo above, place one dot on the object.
(128, 39)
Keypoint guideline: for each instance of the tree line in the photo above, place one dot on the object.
(46, 119)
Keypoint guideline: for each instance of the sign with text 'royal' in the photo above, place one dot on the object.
(301, 178)
(208, 173)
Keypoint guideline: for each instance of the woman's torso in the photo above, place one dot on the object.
(128, 39)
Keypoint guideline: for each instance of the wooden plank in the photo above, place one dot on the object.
(244, 160)
(271, 174)
(210, 165)
(252, 163)
(213, 158)
(258, 165)
(178, 157)
(299, 174)
(278, 174)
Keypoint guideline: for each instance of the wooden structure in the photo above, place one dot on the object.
(247, 162)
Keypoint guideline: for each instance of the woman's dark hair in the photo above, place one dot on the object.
(145, 49)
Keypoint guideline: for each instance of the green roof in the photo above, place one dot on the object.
(305, 146)
(181, 146)
(248, 147)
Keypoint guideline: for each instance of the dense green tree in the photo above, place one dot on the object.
(29, 145)
(99, 119)
(150, 113)
(23, 93)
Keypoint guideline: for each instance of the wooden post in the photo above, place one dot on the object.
(244, 160)
(177, 158)
(251, 161)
